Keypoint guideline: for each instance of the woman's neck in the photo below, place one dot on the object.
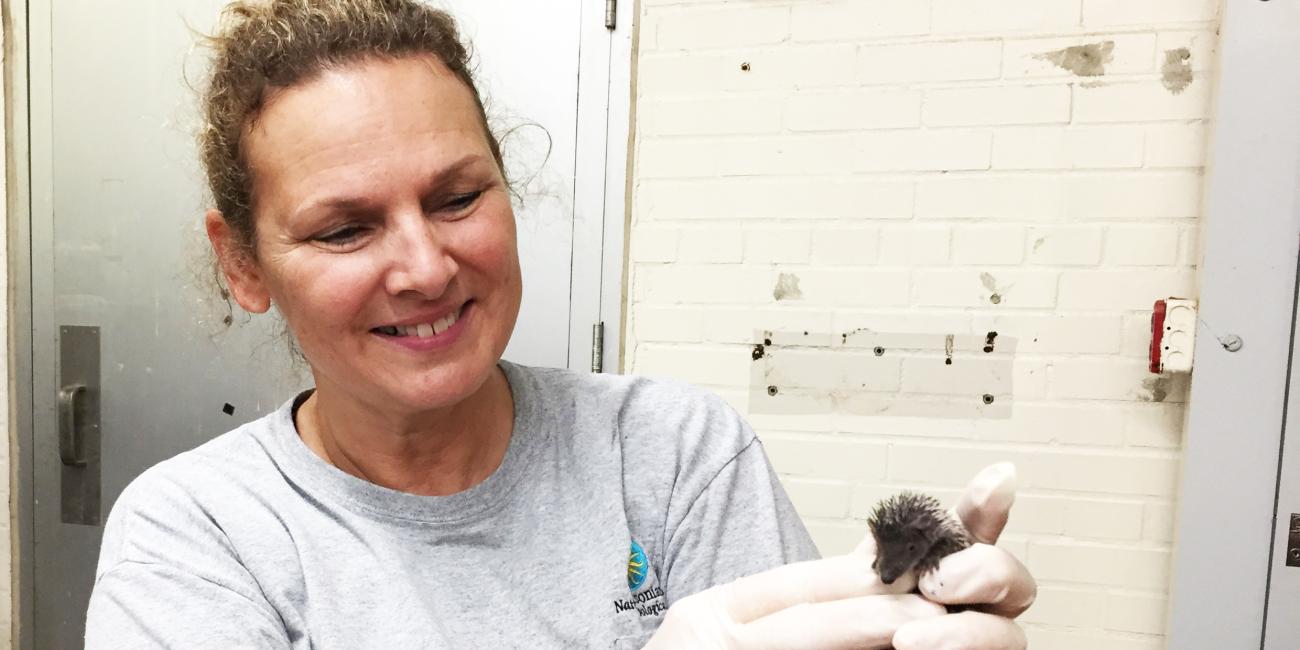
(432, 454)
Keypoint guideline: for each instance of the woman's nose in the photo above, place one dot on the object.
(422, 262)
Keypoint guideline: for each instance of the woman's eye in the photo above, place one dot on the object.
(341, 236)
(462, 201)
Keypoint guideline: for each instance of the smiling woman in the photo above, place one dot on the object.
(427, 493)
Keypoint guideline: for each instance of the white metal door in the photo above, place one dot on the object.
(116, 201)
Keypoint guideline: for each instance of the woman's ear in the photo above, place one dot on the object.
(242, 274)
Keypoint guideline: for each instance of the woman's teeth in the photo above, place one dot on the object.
(423, 330)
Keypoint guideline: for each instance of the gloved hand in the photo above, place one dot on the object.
(839, 602)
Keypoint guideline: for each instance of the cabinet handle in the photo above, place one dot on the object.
(71, 442)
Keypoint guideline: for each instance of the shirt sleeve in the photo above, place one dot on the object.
(168, 578)
(740, 524)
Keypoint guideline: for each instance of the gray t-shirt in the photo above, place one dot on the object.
(617, 496)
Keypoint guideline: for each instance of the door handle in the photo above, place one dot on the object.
(72, 448)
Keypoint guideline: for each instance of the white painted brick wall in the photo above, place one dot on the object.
(905, 160)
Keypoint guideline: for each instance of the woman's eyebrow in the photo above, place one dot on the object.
(362, 203)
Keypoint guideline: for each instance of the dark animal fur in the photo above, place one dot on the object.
(913, 531)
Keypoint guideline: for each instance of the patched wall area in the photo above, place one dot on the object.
(910, 176)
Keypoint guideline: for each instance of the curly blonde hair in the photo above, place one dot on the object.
(265, 45)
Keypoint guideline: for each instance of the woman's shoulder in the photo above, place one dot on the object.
(659, 417)
(185, 498)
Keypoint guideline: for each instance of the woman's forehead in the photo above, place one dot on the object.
(366, 119)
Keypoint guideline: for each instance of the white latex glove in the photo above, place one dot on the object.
(839, 602)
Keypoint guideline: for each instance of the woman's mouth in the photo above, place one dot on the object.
(422, 330)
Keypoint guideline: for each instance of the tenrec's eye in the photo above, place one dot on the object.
(911, 548)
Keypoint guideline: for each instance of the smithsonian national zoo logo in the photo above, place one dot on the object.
(649, 602)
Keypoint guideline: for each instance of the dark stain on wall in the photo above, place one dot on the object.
(1082, 60)
(787, 287)
(1176, 73)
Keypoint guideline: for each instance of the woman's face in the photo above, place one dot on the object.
(385, 234)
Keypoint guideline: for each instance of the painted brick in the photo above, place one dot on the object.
(1035, 515)
(1154, 425)
(654, 244)
(1031, 379)
(1136, 334)
(711, 27)
(727, 366)
(1176, 145)
(1065, 245)
(818, 498)
(1136, 613)
(711, 245)
(988, 197)
(1067, 606)
(1140, 101)
(677, 158)
(867, 109)
(855, 246)
(1142, 195)
(1123, 289)
(951, 466)
(858, 20)
(679, 73)
(670, 324)
(777, 245)
(1052, 147)
(835, 287)
(834, 538)
(1076, 639)
(1117, 520)
(1056, 333)
(1003, 245)
(790, 68)
(819, 457)
(1040, 57)
(1142, 245)
(1052, 424)
(1004, 15)
(737, 325)
(1112, 378)
(970, 288)
(776, 199)
(745, 114)
(998, 105)
(1106, 13)
(915, 322)
(923, 150)
(785, 155)
(930, 62)
(1158, 522)
(1189, 251)
(1113, 566)
(915, 245)
(1201, 44)
(679, 284)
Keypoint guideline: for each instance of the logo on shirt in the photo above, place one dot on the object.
(648, 602)
(638, 567)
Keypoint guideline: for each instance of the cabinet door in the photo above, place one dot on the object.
(119, 306)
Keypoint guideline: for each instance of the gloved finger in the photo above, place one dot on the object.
(962, 631)
(814, 581)
(854, 623)
(986, 503)
(981, 575)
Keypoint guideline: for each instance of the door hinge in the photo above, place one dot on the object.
(611, 14)
(598, 347)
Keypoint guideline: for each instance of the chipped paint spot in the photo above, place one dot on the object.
(1156, 389)
(787, 287)
(1038, 243)
(1082, 60)
(759, 351)
(1176, 73)
(989, 282)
